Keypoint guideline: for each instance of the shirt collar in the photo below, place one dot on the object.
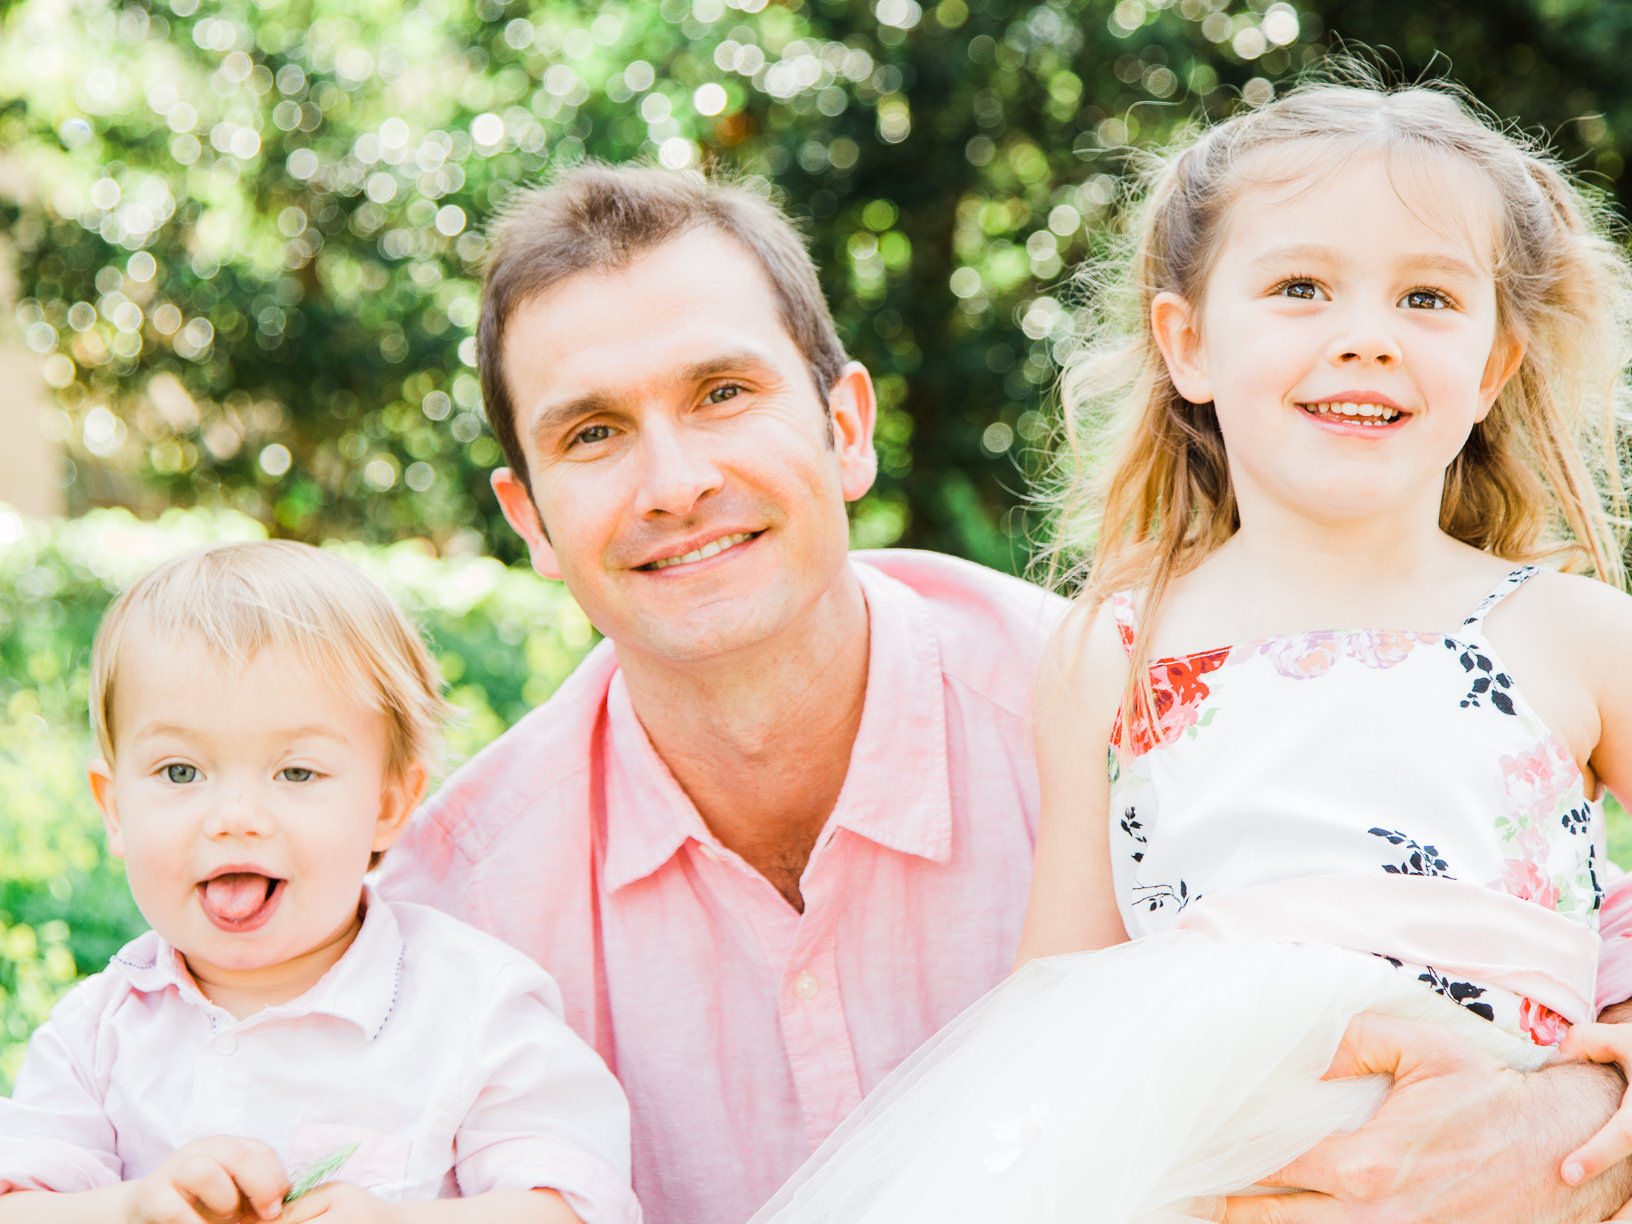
(896, 791)
(360, 987)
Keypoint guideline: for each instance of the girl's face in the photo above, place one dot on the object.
(245, 804)
(1348, 340)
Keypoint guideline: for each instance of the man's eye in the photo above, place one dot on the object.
(1425, 299)
(181, 774)
(591, 434)
(720, 394)
(296, 773)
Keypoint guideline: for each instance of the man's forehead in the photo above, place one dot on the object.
(689, 300)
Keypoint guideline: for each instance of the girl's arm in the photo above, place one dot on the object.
(1072, 905)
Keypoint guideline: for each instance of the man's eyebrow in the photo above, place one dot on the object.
(554, 418)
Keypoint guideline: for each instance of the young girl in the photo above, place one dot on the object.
(265, 716)
(1370, 377)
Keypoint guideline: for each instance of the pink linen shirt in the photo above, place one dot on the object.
(742, 1030)
(433, 1047)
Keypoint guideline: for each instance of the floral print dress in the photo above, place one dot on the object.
(1352, 751)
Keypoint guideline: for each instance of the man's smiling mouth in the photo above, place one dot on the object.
(1358, 414)
(702, 553)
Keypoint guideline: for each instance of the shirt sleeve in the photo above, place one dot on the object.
(1615, 953)
(546, 1112)
(54, 1132)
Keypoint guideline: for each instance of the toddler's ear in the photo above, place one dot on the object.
(100, 775)
(397, 803)
(1178, 335)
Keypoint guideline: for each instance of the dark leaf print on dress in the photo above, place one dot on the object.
(1418, 861)
(1487, 684)
(1458, 992)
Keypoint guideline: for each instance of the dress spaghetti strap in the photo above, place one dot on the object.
(1504, 588)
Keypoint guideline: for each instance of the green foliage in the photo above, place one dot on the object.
(502, 638)
(251, 247)
(252, 256)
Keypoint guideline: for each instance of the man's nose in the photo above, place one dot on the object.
(678, 469)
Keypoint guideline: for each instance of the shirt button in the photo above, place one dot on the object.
(225, 1045)
(805, 986)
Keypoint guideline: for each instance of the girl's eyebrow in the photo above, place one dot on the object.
(1434, 262)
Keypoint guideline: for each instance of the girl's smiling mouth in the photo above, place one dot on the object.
(240, 900)
(1351, 412)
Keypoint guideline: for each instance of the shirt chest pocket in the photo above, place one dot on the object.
(380, 1164)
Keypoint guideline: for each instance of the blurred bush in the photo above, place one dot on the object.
(503, 639)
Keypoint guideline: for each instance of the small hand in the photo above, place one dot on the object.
(338, 1203)
(1602, 1043)
(1460, 1137)
(222, 1178)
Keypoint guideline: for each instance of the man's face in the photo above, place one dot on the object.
(691, 487)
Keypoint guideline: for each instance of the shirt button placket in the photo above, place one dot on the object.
(818, 1043)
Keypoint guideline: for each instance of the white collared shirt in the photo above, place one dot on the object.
(438, 1050)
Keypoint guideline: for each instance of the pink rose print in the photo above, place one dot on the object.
(1524, 879)
(1541, 1023)
(1534, 780)
(1380, 648)
(1179, 689)
(1303, 656)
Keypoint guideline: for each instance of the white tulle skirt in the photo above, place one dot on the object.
(1138, 1084)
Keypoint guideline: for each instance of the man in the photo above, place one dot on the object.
(777, 829)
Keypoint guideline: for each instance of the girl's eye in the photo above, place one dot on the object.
(1425, 299)
(720, 394)
(1300, 288)
(181, 774)
(296, 773)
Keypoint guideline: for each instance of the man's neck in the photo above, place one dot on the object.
(760, 741)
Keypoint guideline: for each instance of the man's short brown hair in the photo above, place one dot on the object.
(599, 217)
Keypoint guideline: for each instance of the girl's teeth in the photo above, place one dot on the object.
(1361, 414)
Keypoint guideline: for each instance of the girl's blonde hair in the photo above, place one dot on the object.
(239, 599)
(1142, 490)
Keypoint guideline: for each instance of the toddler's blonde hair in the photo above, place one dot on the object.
(1142, 489)
(239, 599)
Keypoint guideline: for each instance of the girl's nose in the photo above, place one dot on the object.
(1364, 340)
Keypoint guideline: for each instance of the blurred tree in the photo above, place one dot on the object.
(253, 256)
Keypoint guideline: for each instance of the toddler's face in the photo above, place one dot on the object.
(245, 803)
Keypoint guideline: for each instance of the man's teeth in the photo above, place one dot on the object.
(1361, 414)
(707, 550)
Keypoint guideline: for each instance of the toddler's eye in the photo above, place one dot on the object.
(1425, 299)
(296, 773)
(181, 774)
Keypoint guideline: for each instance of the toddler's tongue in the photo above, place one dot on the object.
(236, 895)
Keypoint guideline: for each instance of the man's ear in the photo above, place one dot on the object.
(853, 409)
(397, 803)
(1178, 335)
(522, 514)
(100, 775)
